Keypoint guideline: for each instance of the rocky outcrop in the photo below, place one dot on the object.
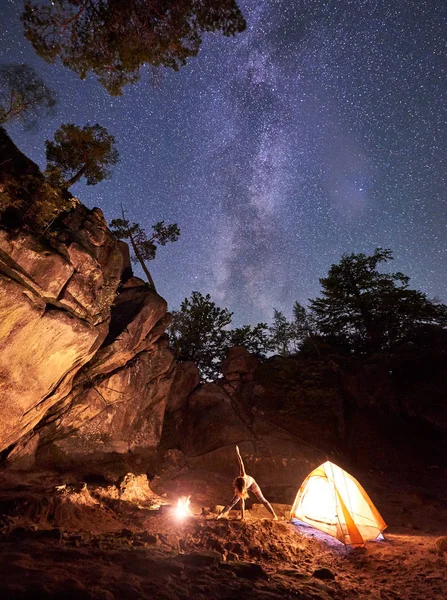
(85, 370)
(186, 379)
(205, 427)
(289, 414)
(55, 301)
(239, 365)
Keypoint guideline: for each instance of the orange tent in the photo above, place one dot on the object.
(333, 501)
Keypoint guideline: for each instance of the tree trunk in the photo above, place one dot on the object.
(142, 263)
(77, 177)
(367, 317)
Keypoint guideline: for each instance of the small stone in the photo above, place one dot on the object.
(292, 573)
(323, 573)
(149, 538)
(126, 533)
(51, 533)
(20, 532)
(246, 570)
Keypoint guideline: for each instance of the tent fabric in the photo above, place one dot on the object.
(331, 500)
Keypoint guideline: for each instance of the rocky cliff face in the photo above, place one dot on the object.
(290, 414)
(84, 366)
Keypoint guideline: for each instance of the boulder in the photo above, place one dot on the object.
(34, 264)
(135, 488)
(83, 354)
(41, 350)
(186, 379)
(246, 570)
(138, 319)
(120, 414)
(22, 457)
(323, 573)
(207, 396)
(240, 361)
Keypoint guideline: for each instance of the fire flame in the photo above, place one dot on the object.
(182, 509)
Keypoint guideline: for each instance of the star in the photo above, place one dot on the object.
(313, 133)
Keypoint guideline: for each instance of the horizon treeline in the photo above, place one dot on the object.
(360, 311)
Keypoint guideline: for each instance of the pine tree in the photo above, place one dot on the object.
(281, 334)
(78, 152)
(115, 38)
(144, 247)
(23, 95)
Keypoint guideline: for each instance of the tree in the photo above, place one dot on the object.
(364, 309)
(281, 334)
(144, 248)
(302, 326)
(198, 332)
(115, 38)
(78, 152)
(23, 95)
(254, 339)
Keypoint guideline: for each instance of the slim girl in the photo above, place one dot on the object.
(242, 485)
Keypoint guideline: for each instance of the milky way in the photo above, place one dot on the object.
(320, 130)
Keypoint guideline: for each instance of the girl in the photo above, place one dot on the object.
(242, 485)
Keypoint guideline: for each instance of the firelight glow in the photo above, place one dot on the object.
(182, 509)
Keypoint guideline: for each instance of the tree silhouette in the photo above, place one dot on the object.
(255, 339)
(198, 333)
(364, 309)
(115, 38)
(281, 334)
(81, 152)
(144, 247)
(23, 95)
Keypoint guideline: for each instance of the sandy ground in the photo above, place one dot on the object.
(95, 542)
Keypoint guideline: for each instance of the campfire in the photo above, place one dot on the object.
(182, 508)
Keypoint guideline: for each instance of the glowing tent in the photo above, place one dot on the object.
(333, 501)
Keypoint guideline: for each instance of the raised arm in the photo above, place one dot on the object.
(241, 463)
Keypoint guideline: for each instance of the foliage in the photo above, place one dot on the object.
(198, 332)
(360, 310)
(115, 38)
(23, 95)
(254, 339)
(144, 248)
(287, 337)
(363, 309)
(78, 152)
(281, 333)
(32, 202)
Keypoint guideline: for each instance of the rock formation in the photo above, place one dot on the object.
(85, 368)
(288, 414)
(88, 382)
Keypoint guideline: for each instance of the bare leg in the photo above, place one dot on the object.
(242, 509)
(269, 507)
(260, 496)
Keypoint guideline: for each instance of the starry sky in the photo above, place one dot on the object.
(320, 130)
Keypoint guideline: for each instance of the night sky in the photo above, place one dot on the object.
(320, 130)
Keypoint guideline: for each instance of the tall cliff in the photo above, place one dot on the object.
(85, 368)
